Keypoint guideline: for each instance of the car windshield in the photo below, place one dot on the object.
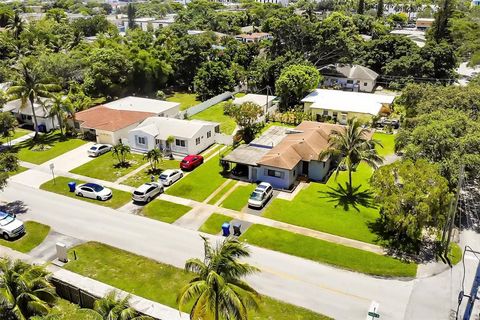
(163, 176)
(256, 196)
(6, 220)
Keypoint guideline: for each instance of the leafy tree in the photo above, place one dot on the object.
(213, 78)
(113, 307)
(155, 157)
(352, 144)
(8, 163)
(218, 289)
(246, 116)
(25, 288)
(121, 151)
(295, 82)
(412, 196)
(8, 123)
(30, 86)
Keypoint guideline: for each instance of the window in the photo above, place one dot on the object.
(274, 173)
(197, 141)
(209, 134)
(325, 112)
(365, 84)
(180, 143)
(141, 140)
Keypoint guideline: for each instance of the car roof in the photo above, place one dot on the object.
(92, 185)
(169, 171)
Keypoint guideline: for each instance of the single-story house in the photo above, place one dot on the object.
(190, 136)
(349, 77)
(45, 121)
(281, 155)
(108, 125)
(158, 107)
(263, 100)
(253, 37)
(342, 105)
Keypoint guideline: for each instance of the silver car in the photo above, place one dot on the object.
(98, 149)
(147, 191)
(168, 177)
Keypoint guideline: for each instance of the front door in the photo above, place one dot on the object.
(305, 168)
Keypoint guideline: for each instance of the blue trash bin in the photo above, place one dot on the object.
(72, 185)
(226, 229)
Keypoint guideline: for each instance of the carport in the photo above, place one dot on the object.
(242, 162)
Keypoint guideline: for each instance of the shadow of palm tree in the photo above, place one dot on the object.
(343, 197)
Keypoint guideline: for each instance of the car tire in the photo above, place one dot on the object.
(80, 194)
(6, 236)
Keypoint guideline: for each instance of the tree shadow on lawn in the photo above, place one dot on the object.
(346, 199)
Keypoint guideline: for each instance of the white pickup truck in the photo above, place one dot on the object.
(10, 226)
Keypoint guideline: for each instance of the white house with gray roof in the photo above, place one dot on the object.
(190, 136)
(350, 77)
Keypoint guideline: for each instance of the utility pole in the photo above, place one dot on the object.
(454, 208)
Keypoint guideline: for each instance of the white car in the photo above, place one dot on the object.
(168, 177)
(93, 191)
(147, 191)
(260, 195)
(10, 226)
(98, 149)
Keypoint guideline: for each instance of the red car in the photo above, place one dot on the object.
(190, 162)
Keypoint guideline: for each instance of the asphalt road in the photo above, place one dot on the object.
(334, 292)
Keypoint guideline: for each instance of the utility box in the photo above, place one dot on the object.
(62, 252)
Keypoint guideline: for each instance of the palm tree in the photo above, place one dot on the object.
(113, 307)
(15, 24)
(24, 289)
(154, 156)
(30, 87)
(217, 288)
(120, 151)
(353, 145)
(59, 108)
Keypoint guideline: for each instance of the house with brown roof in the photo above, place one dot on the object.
(281, 155)
(106, 125)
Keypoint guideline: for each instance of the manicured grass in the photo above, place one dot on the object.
(455, 254)
(35, 234)
(185, 99)
(199, 184)
(105, 167)
(213, 225)
(220, 194)
(157, 281)
(387, 141)
(316, 208)
(327, 252)
(145, 175)
(64, 310)
(164, 210)
(19, 132)
(118, 199)
(215, 114)
(57, 144)
(239, 197)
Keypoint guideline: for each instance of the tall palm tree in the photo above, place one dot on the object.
(217, 288)
(30, 87)
(15, 24)
(113, 307)
(24, 289)
(154, 156)
(353, 145)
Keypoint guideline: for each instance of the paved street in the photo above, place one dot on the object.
(337, 293)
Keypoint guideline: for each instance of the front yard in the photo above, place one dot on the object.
(47, 147)
(105, 167)
(157, 281)
(119, 198)
(215, 114)
(35, 234)
(164, 210)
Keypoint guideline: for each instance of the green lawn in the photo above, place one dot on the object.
(104, 167)
(164, 210)
(215, 114)
(119, 198)
(316, 208)
(387, 141)
(213, 225)
(239, 197)
(64, 310)
(220, 194)
(19, 132)
(327, 252)
(35, 234)
(55, 143)
(144, 175)
(157, 281)
(201, 183)
(185, 99)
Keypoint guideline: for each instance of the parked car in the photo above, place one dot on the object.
(168, 177)
(147, 191)
(99, 149)
(261, 195)
(93, 191)
(190, 162)
(10, 226)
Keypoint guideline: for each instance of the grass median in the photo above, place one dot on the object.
(157, 281)
(164, 210)
(327, 252)
(35, 234)
(60, 186)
